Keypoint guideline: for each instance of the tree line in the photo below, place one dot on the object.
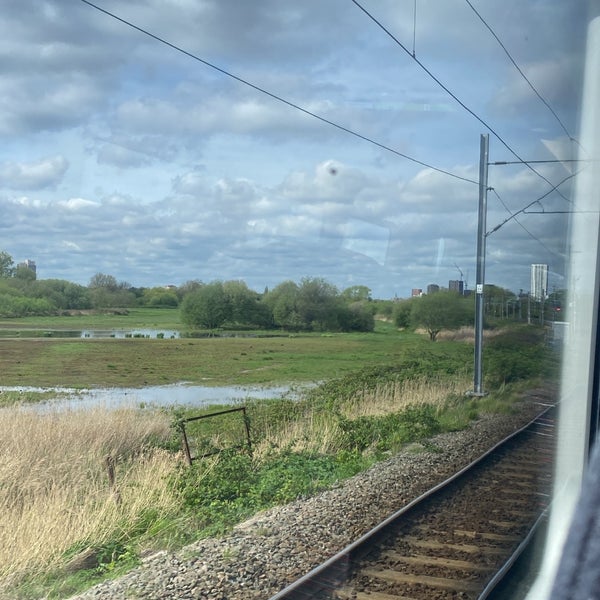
(313, 304)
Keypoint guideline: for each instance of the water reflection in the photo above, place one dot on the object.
(130, 333)
(160, 395)
(91, 333)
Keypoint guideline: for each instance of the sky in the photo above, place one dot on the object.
(124, 155)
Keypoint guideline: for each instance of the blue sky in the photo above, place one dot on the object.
(123, 156)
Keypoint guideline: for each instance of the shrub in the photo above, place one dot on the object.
(516, 354)
(388, 432)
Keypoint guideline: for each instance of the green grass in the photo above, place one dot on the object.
(210, 361)
(299, 446)
(135, 318)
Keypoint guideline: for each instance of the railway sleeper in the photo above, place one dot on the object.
(398, 578)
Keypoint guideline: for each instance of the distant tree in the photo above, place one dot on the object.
(241, 300)
(101, 280)
(106, 292)
(159, 297)
(383, 308)
(317, 304)
(282, 301)
(6, 264)
(62, 294)
(205, 308)
(401, 312)
(442, 310)
(497, 300)
(356, 316)
(357, 293)
(187, 287)
(25, 273)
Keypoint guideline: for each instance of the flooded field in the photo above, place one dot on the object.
(91, 333)
(160, 395)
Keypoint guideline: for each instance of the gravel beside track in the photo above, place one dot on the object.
(264, 554)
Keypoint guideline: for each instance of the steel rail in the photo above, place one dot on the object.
(339, 563)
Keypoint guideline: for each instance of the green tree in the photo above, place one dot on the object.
(401, 312)
(442, 310)
(189, 286)
(106, 292)
(205, 308)
(357, 293)
(24, 273)
(159, 297)
(6, 264)
(356, 316)
(242, 301)
(102, 280)
(317, 304)
(282, 301)
(498, 301)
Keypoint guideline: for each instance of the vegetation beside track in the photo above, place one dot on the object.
(64, 527)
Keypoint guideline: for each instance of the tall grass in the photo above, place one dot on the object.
(317, 429)
(56, 501)
(393, 396)
(54, 488)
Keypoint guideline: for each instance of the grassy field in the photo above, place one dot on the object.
(133, 318)
(210, 361)
(64, 526)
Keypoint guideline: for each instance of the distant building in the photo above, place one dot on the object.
(539, 282)
(456, 285)
(28, 264)
(432, 288)
(416, 292)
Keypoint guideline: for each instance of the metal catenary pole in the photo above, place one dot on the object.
(481, 235)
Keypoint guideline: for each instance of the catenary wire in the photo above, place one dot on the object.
(452, 95)
(512, 60)
(521, 224)
(277, 97)
(522, 210)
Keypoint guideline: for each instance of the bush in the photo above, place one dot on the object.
(518, 353)
(388, 432)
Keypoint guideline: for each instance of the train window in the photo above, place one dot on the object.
(578, 423)
(388, 150)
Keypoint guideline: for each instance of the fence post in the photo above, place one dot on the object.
(247, 425)
(186, 446)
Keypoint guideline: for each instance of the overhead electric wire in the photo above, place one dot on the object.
(512, 60)
(450, 93)
(537, 239)
(522, 210)
(519, 162)
(275, 96)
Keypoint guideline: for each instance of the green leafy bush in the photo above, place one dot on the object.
(388, 432)
(517, 354)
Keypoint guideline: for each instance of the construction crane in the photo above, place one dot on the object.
(464, 289)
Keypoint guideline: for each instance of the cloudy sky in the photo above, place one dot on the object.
(123, 155)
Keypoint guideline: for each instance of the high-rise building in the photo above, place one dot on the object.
(416, 292)
(28, 264)
(456, 285)
(539, 281)
(432, 288)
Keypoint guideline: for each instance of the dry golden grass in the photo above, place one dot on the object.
(312, 433)
(318, 432)
(54, 489)
(394, 396)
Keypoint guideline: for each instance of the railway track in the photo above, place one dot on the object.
(452, 541)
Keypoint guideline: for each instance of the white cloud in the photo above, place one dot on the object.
(45, 173)
(155, 166)
(77, 204)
